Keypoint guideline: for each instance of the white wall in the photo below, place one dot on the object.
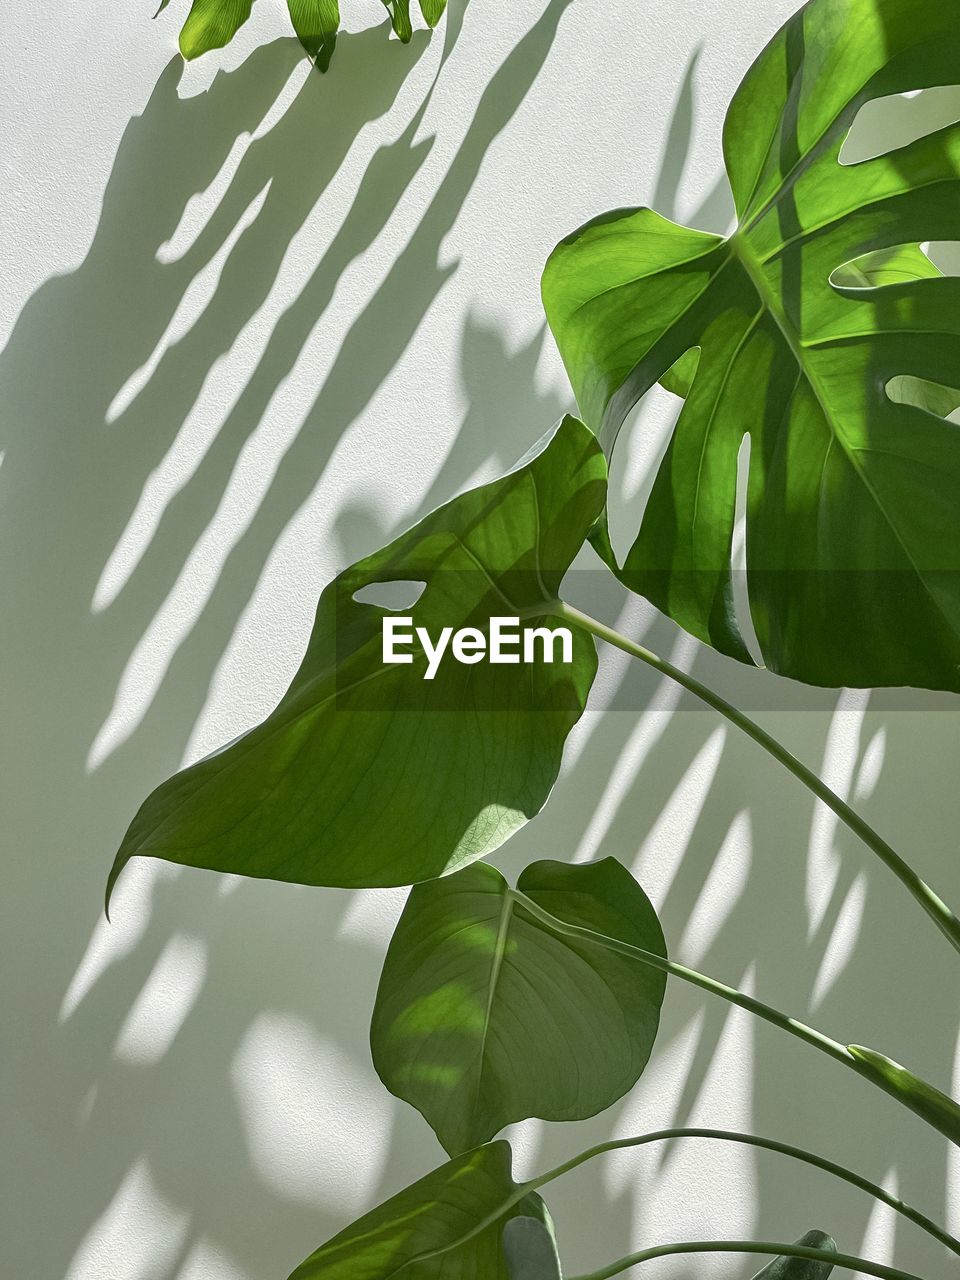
(253, 320)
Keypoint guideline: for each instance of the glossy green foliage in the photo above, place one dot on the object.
(926, 1101)
(487, 1015)
(802, 1268)
(211, 24)
(836, 372)
(367, 773)
(316, 23)
(447, 1226)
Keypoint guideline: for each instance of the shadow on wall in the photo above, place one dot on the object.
(227, 1121)
(111, 1131)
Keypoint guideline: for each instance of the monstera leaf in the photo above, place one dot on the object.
(211, 24)
(369, 774)
(447, 1226)
(802, 332)
(487, 1015)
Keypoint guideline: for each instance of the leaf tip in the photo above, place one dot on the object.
(119, 862)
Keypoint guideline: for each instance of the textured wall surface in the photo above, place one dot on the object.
(253, 320)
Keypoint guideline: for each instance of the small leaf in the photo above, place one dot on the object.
(211, 24)
(530, 1248)
(802, 1268)
(316, 23)
(447, 1226)
(368, 774)
(486, 1015)
(432, 11)
(399, 11)
(933, 1106)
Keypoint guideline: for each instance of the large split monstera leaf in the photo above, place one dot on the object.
(834, 365)
(487, 1014)
(211, 24)
(447, 1226)
(369, 774)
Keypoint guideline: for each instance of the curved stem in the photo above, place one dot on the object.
(765, 1144)
(750, 1246)
(932, 904)
(913, 1098)
(731, 994)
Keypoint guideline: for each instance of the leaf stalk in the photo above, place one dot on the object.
(764, 1144)
(766, 1247)
(938, 911)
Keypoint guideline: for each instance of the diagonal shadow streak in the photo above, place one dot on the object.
(82, 1117)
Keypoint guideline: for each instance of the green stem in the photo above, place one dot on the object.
(909, 1090)
(751, 1246)
(932, 904)
(765, 1144)
(757, 1007)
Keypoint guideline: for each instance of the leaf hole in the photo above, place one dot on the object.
(886, 124)
(640, 448)
(397, 596)
(738, 555)
(933, 397)
(895, 265)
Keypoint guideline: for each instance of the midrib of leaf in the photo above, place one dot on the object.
(496, 964)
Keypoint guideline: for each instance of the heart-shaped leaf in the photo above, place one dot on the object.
(487, 1015)
(853, 498)
(530, 1248)
(369, 774)
(447, 1226)
(802, 1268)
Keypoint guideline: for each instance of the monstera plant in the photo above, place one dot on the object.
(823, 333)
(852, 517)
(211, 24)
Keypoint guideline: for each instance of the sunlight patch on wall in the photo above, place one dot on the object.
(206, 1262)
(665, 846)
(111, 941)
(646, 734)
(183, 606)
(371, 917)
(197, 296)
(162, 1007)
(646, 1108)
(838, 770)
(880, 1236)
(724, 1099)
(317, 1125)
(842, 943)
(871, 766)
(136, 1238)
(722, 890)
